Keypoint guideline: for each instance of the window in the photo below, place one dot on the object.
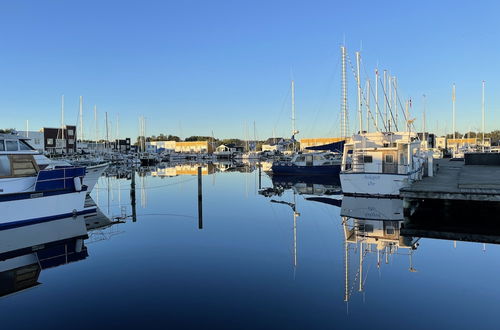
(23, 145)
(4, 166)
(389, 159)
(368, 159)
(301, 159)
(50, 141)
(11, 145)
(70, 132)
(23, 165)
(71, 141)
(2, 146)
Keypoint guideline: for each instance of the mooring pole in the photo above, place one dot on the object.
(132, 196)
(200, 200)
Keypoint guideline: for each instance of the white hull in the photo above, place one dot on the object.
(92, 175)
(372, 184)
(42, 208)
(367, 208)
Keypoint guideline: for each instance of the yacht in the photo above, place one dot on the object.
(381, 163)
(29, 194)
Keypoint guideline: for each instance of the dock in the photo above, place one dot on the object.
(455, 181)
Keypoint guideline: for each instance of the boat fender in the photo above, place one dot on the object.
(79, 245)
(78, 183)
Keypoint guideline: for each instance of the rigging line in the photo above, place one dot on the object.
(389, 106)
(404, 113)
(362, 94)
(330, 82)
(376, 103)
(289, 90)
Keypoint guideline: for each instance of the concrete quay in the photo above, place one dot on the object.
(455, 181)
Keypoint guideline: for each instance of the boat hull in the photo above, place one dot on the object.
(373, 184)
(28, 208)
(292, 169)
(92, 175)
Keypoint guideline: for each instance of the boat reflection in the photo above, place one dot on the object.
(303, 185)
(372, 227)
(27, 250)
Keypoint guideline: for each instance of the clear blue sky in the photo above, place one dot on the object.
(193, 67)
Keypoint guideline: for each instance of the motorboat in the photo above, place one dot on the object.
(29, 194)
(381, 163)
(314, 163)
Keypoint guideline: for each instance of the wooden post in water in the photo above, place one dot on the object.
(200, 200)
(132, 196)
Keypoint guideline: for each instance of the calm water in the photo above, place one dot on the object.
(250, 267)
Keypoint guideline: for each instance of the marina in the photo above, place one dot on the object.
(249, 165)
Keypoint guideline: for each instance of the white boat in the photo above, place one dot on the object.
(29, 194)
(381, 163)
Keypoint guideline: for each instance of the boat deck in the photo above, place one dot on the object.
(455, 181)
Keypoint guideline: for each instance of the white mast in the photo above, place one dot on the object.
(27, 128)
(482, 107)
(376, 98)
(389, 103)
(62, 124)
(386, 119)
(423, 122)
(368, 105)
(360, 111)
(395, 95)
(81, 118)
(453, 109)
(344, 127)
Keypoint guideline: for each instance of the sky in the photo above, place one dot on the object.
(224, 67)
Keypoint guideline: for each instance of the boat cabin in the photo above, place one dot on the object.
(316, 159)
(380, 152)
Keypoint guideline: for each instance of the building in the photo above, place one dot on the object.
(60, 141)
(197, 147)
(441, 143)
(121, 145)
(304, 143)
(160, 146)
(472, 143)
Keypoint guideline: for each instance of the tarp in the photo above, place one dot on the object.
(334, 147)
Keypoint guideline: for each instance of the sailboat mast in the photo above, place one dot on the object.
(294, 131)
(386, 118)
(376, 98)
(424, 120)
(81, 118)
(344, 128)
(360, 110)
(482, 110)
(395, 95)
(367, 105)
(453, 109)
(62, 124)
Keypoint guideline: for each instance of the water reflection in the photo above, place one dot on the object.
(372, 228)
(25, 251)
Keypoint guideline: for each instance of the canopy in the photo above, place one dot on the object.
(334, 147)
